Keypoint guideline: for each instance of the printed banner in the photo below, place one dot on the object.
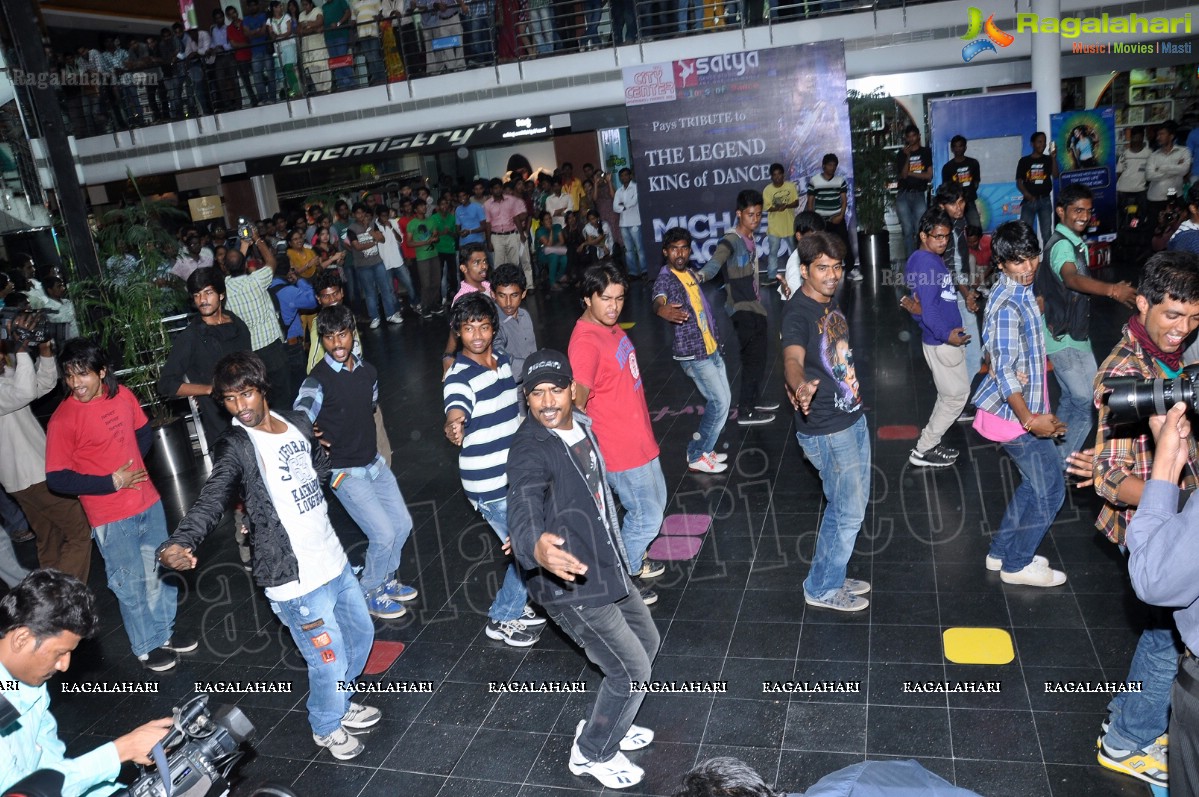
(703, 129)
(1086, 153)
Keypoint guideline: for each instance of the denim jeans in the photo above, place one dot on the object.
(691, 15)
(634, 250)
(370, 49)
(624, 22)
(263, 71)
(974, 349)
(622, 640)
(1034, 504)
(910, 206)
(332, 629)
(11, 516)
(773, 242)
(1075, 371)
(404, 277)
(1137, 718)
(713, 384)
(476, 37)
(509, 603)
(1038, 214)
(375, 283)
(343, 76)
(372, 498)
(11, 571)
(642, 493)
(147, 602)
(843, 460)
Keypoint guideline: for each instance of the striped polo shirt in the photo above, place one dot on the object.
(489, 400)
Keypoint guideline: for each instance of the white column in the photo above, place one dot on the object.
(1046, 65)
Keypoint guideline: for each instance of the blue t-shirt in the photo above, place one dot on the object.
(258, 44)
(470, 217)
(932, 284)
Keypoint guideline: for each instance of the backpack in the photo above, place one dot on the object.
(1067, 312)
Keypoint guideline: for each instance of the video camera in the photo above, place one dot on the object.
(1132, 399)
(203, 747)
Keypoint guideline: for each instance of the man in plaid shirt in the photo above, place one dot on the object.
(1151, 347)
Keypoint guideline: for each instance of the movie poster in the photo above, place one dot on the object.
(1086, 153)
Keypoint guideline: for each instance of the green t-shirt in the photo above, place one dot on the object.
(447, 225)
(420, 236)
(1062, 253)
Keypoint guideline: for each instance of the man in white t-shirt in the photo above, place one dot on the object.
(275, 461)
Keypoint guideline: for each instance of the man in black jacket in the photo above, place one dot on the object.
(274, 460)
(563, 526)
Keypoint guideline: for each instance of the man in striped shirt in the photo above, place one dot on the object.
(248, 296)
(479, 396)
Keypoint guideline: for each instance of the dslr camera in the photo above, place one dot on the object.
(1132, 399)
(196, 757)
(10, 331)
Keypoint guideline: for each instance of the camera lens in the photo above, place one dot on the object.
(1134, 399)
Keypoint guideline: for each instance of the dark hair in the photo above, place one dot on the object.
(934, 217)
(777, 167)
(508, 274)
(813, 246)
(1072, 193)
(334, 318)
(808, 221)
(1192, 198)
(474, 306)
(1033, 137)
(1170, 126)
(598, 277)
(830, 158)
(327, 278)
(623, 170)
(748, 198)
(724, 777)
(48, 602)
(381, 208)
(360, 206)
(973, 229)
(948, 193)
(1171, 274)
(236, 372)
(235, 262)
(911, 129)
(51, 281)
(80, 356)
(467, 250)
(958, 139)
(1013, 242)
(675, 235)
(1138, 130)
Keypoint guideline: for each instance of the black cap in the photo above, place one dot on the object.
(547, 365)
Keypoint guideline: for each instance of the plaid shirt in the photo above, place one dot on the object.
(688, 338)
(248, 297)
(1012, 336)
(1126, 450)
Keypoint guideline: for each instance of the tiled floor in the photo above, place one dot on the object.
(734, 614)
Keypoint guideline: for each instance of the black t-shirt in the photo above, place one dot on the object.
(1037, 173)
(824, 334)
(919, 162)
(966, 174)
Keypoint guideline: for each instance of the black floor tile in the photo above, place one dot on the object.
(799, 769)
(431, 749)
(735, 721)
(1002, 778)
(989, 733)
(906, 731)
(825, 727)
(504, 756)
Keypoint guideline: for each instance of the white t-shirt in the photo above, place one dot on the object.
(285, 461)
(791, 273)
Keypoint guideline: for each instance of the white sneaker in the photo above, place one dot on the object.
(1035, 574)
(341, 744)
(375, 323)
(720, 457)
(395, 318)
(616, 773)
(854, 274)
(707, 464)
(635, 739)
(995, 564)
(531, 618)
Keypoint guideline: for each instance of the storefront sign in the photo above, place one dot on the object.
(206, 207)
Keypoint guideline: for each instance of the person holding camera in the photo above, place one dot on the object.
(1185, 237)
(1151, 348)
(42, 620)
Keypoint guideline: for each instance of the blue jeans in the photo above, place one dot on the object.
(622, 640)
(691, 15)
(370, 49)
(1038, 214)
(475, 33)
(974, 349)
(332, 629)
(372, 498)
(147, 602)
(843, 460)
(713, 384)
(634, 251)
(910, 206)
(263, 72)
(343, 76)
(1140, 717)
(642, 492)
(773, 242)
(509, 603)
(1075, 371)
(375, 283)
(1034, 504)
(592, 12)
(404, 276)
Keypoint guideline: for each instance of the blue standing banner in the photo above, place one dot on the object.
(1086, 153)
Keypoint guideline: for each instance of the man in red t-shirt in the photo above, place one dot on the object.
(95, 443)
(608, 386)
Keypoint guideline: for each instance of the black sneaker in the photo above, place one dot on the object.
(952, 453)
(754, 418)
(511, 632)
(181, 643)
(933, 458)
(648, 596)
(159, 660)
(766, 405)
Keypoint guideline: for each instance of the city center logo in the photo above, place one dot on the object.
(993, 36)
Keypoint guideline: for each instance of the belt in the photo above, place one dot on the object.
(296, 341)
(510, 232)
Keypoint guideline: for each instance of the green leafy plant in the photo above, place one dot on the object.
(871, 161)
(124, 308)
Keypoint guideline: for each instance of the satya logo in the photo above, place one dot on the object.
(694, 71)
(685, 73)
(994, 36)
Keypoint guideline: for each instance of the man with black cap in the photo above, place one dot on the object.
(563, 527)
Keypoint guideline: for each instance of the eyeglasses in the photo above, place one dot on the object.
(935, 237)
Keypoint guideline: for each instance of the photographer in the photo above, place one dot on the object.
(1185, 237)
(41, 622)
(1151, 347)
(1169, 221)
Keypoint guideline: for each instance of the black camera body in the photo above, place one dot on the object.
(206, 745)
(1130, 398)
(39, 334)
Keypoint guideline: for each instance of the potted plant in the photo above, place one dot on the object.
(870, 115)
(124, 309)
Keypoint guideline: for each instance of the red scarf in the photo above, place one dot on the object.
(1173, 360)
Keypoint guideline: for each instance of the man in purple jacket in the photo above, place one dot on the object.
(934, 304)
